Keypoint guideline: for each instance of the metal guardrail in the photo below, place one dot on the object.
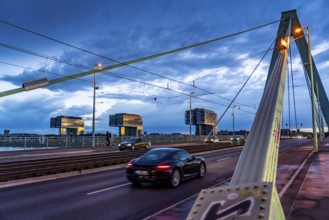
(48, 142)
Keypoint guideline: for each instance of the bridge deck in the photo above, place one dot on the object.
(306, 198)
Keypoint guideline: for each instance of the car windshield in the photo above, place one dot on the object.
(155, 156)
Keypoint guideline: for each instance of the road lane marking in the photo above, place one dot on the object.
(224, 159)
(102, 190)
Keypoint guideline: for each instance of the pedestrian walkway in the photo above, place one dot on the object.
(312, 201)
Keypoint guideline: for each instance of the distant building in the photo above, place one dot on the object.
(205, 120)
(6, 132)
(68, 125)
(129, 124)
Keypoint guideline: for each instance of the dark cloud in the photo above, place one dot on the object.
(126, 30)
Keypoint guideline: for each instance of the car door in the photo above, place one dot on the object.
(190, 166)
(139, 143)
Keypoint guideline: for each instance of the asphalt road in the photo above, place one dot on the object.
(108, 195)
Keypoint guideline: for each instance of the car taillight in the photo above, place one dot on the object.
(129, 164)
(162, 167)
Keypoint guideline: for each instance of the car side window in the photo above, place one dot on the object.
(181, 156)
(184, 156)
(176, 156)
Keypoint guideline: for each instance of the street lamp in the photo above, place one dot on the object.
(97, 65)
(233, 120)
(315, 136)
(191, 94)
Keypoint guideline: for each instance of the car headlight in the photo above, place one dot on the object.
(128, 145)
(119, 145)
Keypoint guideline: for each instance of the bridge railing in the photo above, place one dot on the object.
(48, 142)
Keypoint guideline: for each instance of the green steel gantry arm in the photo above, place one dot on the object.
(78, 75)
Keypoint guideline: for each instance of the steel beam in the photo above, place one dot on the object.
(252, 193)
(302, 46)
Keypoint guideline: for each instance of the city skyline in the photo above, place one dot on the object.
(157, 89)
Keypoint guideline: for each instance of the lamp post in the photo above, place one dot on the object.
(97, 65)
(233, 119)
(191, 93)
(315, 136)
(319, 114)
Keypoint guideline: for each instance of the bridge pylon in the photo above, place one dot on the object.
(252, 192)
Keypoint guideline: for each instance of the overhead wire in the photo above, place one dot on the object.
(128, 64)
(245, 83)
(39, 70)
(117, 75)
(293, 87)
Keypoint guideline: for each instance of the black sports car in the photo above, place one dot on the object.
(135, 143)
(170, 165)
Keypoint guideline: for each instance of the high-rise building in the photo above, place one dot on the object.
(68, 125)
(129, 124)
(205, 120)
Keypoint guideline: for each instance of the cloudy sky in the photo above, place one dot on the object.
(123, 30)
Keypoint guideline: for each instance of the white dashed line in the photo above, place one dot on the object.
(114, 187)
(224, 159)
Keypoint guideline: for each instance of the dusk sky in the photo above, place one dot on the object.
(124, 30)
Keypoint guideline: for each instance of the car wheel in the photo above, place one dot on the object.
(133, 147)
(202, 170)
(135, 183)
(147, 146)
(175, 178)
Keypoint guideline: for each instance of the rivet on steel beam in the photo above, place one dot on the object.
(262, 207)
(198, 204)
(261, 215)
(195, 212)
(201, 198)
(264, 198)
